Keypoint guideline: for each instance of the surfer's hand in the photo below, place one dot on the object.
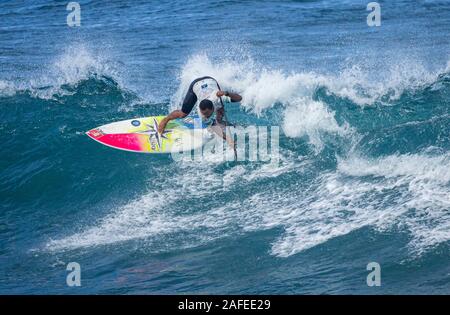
(162, 126)
(220, 93)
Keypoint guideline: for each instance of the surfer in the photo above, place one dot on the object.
(205, 92)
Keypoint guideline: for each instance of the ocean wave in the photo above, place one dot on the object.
(303, 113)
(75, 65)
(157, 216)
(262, 87)
(409, 192)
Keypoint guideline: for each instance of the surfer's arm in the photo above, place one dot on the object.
(234, 97)
(173, 115)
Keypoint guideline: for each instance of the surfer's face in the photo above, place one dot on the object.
(206, 112)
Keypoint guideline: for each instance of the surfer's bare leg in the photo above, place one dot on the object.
(221, 131)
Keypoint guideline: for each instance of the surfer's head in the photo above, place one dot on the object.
(206, 108)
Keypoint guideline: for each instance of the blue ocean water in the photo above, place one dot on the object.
(364, 172)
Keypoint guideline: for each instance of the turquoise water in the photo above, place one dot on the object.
(364, 172)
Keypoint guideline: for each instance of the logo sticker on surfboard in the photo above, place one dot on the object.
(96, 133)
(155, 137)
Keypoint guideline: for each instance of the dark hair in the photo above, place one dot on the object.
(206, 104)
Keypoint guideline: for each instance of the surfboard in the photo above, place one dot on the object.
(141, 135)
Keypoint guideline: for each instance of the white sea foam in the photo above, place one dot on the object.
(73, 65)
(410, 191)
(150, 216)
(366, 86)
(426, 181)
(7, 88)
